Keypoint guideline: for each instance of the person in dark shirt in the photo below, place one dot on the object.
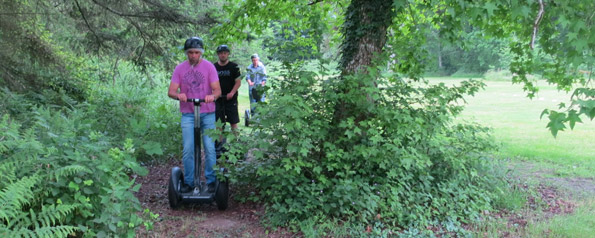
(230, 81)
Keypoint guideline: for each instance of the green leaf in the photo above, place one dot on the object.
(544, 112)
(88, 182)
(136, 188)
(573, 117)
(490, 7)
(152, 148)
(73, 186)
(112, 227)
(556, 122)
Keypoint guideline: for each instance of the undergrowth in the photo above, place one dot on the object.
(399, 163)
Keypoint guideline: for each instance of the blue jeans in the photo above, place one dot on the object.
(207, 121)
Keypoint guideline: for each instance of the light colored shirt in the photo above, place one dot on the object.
(256, 74)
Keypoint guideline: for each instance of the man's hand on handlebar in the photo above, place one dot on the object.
(209, 98)
(182, 97)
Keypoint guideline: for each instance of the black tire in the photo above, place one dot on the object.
(173, 190)
(222, 196)
(247, 118)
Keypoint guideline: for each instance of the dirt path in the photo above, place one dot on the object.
(577, 188)
(239, 220)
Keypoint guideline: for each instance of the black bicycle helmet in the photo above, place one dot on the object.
(193, 42)
(222, 48)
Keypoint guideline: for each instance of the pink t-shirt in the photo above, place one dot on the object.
(195, 82)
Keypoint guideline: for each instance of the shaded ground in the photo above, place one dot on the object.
(574, 186)
(239, 220)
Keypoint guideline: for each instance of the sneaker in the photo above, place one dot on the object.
(186, 188)
(211, 187)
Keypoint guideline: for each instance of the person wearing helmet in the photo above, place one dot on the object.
(256, 76)
(230, 81)
(196, 78)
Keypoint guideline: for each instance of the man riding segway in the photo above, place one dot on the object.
(195, 84)
(256, 76)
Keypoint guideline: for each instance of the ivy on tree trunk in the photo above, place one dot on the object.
(365, 31)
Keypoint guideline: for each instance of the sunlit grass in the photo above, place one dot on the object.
(516, 123)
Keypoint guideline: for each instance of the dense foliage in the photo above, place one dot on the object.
(406, 164)
(68, 167)
(60, 177)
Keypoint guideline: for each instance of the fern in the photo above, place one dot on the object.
(42, 232)
(68, 171)
(34, 223)
(52, 184)
(9, 134)
(49, 216)
(55, 231)
(7, 172)
(15, 196)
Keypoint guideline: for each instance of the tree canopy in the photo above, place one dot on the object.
(553, 39)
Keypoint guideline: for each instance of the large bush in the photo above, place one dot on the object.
(61, 177)
(401, 161)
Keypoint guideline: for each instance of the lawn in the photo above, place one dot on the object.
(527, 145)
(515, 120)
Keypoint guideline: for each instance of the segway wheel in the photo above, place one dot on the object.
(222, 196)
(173, 189)
(247, 118)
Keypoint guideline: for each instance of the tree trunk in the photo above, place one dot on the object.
(439, 56)
(365, 30)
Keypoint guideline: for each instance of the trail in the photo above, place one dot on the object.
(190, 220)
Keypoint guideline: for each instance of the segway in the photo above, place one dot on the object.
(256, 95)
(200, 194)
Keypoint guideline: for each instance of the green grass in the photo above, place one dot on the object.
(579, 224)
(243, 101)
(516, 122)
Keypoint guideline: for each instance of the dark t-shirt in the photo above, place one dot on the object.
(227, 77)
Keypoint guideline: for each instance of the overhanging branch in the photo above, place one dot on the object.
(163, 13)
(87, 22)
(536, 24)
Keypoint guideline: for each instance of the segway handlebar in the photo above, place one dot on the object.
(194, 100)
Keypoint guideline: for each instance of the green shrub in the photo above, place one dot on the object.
(401, 158)
(62, 178)
(132, 107)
